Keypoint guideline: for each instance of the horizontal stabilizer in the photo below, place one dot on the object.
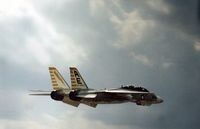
(40, 93)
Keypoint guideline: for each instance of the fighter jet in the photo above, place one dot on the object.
(79, 93)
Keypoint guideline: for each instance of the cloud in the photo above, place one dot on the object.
(159, 5)
(49, 121)
(11, 9)
(150, 43)
(142, 59)
(197, 45)
(167, 64)
(130, 28)
(96, 5)
(40, 43)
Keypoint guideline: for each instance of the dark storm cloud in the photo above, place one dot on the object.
(184, 14)
(178, 84)
(198, 11)
(173, 75)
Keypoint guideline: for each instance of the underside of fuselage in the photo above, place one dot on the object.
(103, 98)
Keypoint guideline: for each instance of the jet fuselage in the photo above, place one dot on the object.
(80, 93)
(109, 96)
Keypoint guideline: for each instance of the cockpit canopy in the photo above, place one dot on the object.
(134, 88)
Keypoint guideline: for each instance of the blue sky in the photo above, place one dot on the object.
(153, 43)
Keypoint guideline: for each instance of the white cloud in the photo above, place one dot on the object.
(41, 47)
(142, 59)
(38, 51)
(43, 121)
(66, 120)
(13, 8)
(159, 5)
(130, 27)
(166, 65)
(96, 5)
(197, 45)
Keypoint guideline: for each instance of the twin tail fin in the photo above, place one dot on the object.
(57, 81)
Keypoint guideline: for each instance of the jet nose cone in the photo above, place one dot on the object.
(159, 100)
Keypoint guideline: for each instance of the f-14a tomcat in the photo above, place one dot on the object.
(80, 93)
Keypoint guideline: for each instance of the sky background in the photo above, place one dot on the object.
(150, 43)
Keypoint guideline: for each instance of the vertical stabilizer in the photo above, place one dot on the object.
(57, 80)
(77, 81)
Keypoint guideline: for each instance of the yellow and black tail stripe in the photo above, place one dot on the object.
(77, 81)
(57, 80)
